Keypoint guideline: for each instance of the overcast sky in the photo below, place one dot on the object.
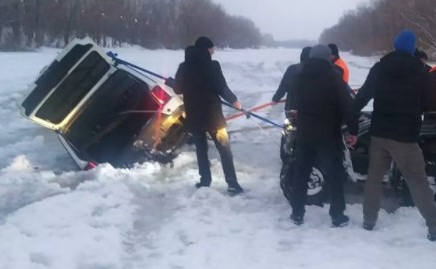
(291, 19)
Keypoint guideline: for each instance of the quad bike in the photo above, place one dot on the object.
(356, 162)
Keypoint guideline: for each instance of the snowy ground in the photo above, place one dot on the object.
(52, 216)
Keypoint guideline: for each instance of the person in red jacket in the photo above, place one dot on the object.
(337, 60)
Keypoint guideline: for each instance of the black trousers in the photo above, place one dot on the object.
(222, 143)
(330, 160)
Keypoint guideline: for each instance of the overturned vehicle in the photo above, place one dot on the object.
(356, 162)
(104, 110)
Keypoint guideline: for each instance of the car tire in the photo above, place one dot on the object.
(316, 192)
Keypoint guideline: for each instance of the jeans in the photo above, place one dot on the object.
(222, 143)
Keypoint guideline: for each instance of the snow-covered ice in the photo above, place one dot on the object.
(151, 216)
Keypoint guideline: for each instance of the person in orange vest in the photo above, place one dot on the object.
(337, 60)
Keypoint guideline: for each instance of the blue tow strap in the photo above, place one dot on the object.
(170, 82)
(120, 61)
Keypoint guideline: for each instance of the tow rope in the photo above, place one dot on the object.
(170, 82)
(256, 108)
(249, 129)
(251, 114)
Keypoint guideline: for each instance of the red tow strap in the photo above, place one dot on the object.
(256, 108)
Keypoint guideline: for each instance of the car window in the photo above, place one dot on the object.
(72, 90)
(53, 75)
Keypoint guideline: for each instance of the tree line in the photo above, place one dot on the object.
(371, 29)
(170, 24)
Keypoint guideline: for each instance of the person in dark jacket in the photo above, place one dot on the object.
(287, 84)
(202, 83)
(422, 56)
(323, 104)
(402, 91)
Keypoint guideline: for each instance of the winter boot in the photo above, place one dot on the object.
(297, 219)
(234, 189)
(201, 184)
(431, 236)
(368, 226)
(340, 221)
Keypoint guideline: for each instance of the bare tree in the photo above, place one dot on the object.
(372, 28)
(422, 16)
(150, 23)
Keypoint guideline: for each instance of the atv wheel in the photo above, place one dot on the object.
(316, 193)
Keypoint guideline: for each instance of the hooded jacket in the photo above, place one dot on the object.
(323, 103)
(287, 83)
(202, 83)
(402, 91)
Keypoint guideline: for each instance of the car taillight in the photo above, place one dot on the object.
(160, 95)
(90, 165)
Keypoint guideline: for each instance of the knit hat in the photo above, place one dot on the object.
(321, 52)
(405, 41)
(305, 54)
(334, 49)
(204, 42)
